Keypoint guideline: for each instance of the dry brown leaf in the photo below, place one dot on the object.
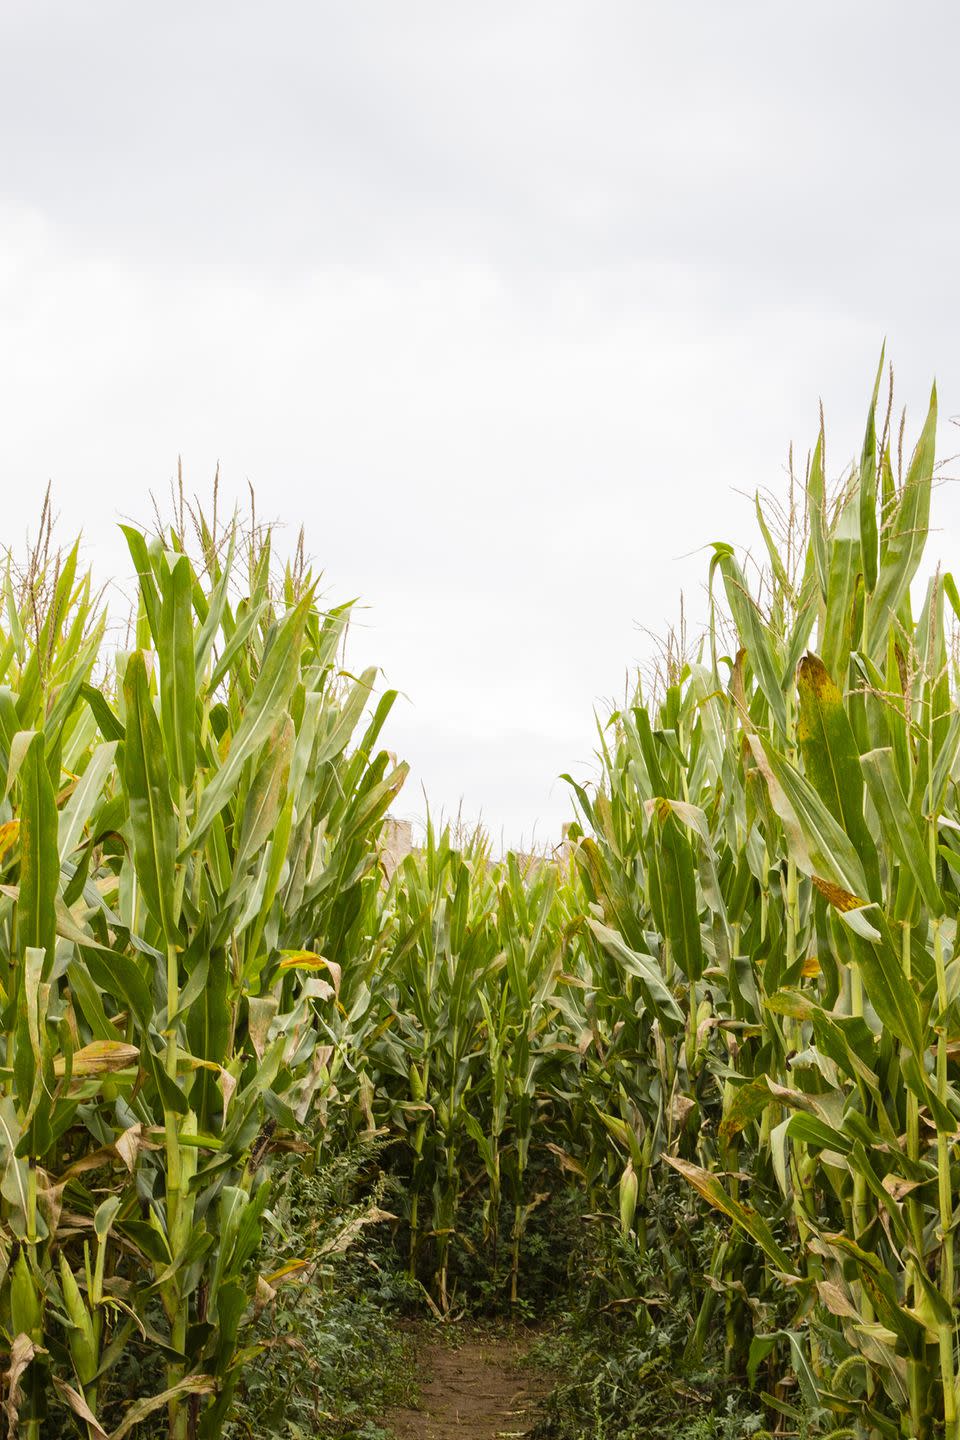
(22, 1352)
(77, 1403)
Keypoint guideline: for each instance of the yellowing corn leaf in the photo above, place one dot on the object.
(308, 960)
(9, 834)
(100, 1057)
(839, 898)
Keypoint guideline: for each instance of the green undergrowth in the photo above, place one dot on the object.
(613, 1376)
(611, 1326)
(332, 1345)
(622, 1350)
(322, 1354)
(330, 1357)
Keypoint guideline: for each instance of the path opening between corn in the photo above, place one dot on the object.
(477, 1387)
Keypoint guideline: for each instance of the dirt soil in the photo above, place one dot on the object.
(474, 1390)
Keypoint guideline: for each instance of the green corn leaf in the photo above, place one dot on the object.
(900, 826)
(887, 988)
(776, 563)
(264, 797)
(235, 650)
(31, 1057)
(149, 596)
(331, 745)
(90, 1001)
(868, 489)
(273, 864)
(77, 811)
(178, 693)
(846, 1039)
(673, 880)
(760, 1348)
(266, 705)
(879, 1285)
(208, 1035)
(648, 746)
(944, 765)
(816, 494)
(831, 761)
(147, 782)
(645, 969)
(906, 534)
(838, 634)
(808, 605)
(754, 634)
(711, 1189)
(117, 974)
(861, 1162)
(215, 609)
(40, 858)
(815, 1132)
(110, 726)
(815, 840)
(67, 696)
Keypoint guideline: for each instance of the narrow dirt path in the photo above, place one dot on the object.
(474, 1390)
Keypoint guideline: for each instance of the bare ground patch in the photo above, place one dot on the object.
(475, 1390)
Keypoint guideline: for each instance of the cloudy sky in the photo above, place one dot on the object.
(506, 302)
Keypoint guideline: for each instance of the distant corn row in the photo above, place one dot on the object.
(748, 976)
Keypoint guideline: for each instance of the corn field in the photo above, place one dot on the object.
(735, 982)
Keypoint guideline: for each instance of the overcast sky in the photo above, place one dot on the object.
(504, 301)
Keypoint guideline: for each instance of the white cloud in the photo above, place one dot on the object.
(503, 305)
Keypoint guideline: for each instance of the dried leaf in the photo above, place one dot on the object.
(22, 1352)
(77, 1403)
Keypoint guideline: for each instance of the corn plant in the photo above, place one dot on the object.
(776, 836)
(185, 855)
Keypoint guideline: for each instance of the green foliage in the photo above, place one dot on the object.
(330, 1357)
(621, 1368)
(741, 970)
(736, 981)
(188, 857)
(818, 801)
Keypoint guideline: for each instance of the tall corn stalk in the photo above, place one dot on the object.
(184, 857)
